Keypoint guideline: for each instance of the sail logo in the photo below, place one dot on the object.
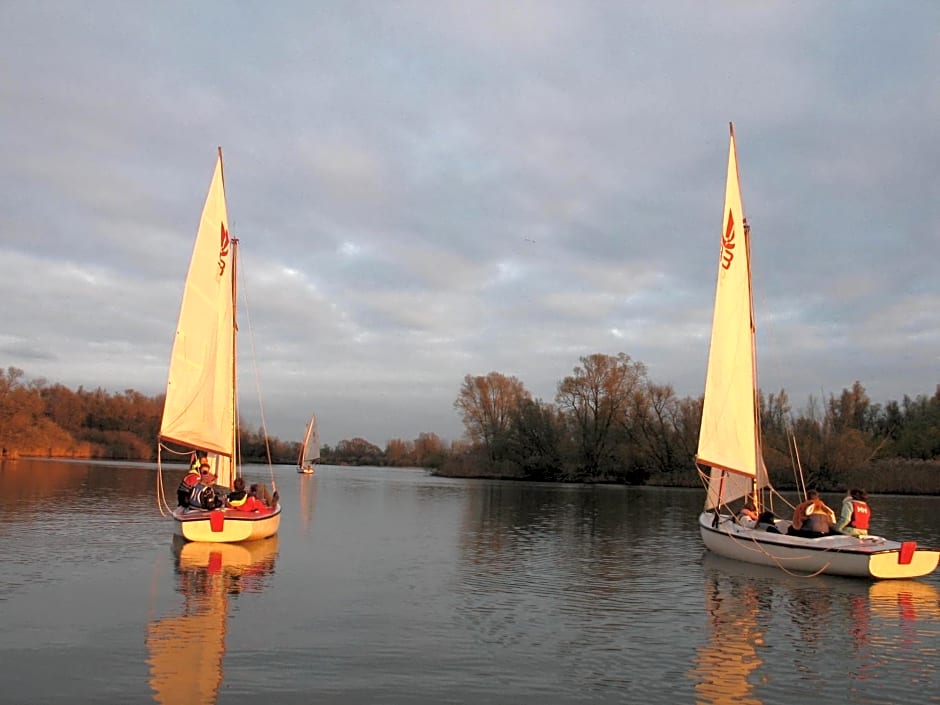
(223, 249)
(727, 243)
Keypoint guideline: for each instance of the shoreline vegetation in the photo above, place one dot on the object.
(608, 424)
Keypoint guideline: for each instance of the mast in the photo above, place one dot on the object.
(234, 242)
(236, 454)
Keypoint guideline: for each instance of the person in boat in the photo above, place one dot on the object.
(245, 501)
(191, 478)
(748, 515)
(812, 518)
(203, 495)
(855, 514)
(767, 521)
(260, 491)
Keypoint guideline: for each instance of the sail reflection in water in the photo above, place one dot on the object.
(763, 635)
(186, 650)
(725, 663)
(308, 500)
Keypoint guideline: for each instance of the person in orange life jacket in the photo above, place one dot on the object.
(191, 478)
(812, 518)
(203, 495)
(855, 515)
(243, 501)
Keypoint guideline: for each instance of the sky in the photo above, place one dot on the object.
(432, 189)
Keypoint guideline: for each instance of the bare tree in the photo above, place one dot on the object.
(597, 398)
(486, 405)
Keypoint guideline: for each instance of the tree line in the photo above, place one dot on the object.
(608, 422)
(50, 420)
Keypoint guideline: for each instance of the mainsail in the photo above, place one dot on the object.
(310, 448)
(200, 393)
(729, 439)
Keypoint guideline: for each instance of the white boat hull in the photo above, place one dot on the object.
(227, 526)
(868, 557)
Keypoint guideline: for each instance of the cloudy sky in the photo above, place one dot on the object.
(425, 190)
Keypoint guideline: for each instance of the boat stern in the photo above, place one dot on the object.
(907, 562)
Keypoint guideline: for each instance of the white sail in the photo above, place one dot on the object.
(729, 439)
(310, 448)
(200, 391)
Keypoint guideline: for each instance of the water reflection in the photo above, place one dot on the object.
(766, 628)
(307, 500)
(725, 663)
(28, 485)
(186, 650)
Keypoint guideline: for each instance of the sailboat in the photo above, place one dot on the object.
(730, 454)
(201, 411)
(310, 448)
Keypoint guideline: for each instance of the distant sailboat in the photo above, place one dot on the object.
(730, 453)
(200, 411)
(310, 448)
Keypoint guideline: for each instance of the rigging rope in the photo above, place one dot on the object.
(254, 364)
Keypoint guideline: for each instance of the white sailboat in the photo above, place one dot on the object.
(309, 448)
(730, 453)
(200, 411)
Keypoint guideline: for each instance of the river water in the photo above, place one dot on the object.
(391, 586)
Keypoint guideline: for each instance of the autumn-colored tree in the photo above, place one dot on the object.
(24, 428)
(428, 450)
(399, 453)
(486, 404)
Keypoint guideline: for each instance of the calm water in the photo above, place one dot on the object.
(390, 586)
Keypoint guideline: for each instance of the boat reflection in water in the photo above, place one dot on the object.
(751, 615)
(186, 650)
(308, 500)
(733, 606)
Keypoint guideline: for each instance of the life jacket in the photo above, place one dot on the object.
(203, 497)
(190, 479)
(819, 507)
(861, 513)
(237, 497)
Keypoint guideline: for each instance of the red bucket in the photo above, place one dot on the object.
(907, 552)
(216, 521)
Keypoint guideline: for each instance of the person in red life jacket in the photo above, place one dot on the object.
(260, 490)
(191, 478)
(855, 515)
(241, 500)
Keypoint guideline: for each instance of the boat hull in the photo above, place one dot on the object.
(306, 470)
(226, 526)
(868, 557)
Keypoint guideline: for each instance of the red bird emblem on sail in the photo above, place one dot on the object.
(727, 243)
(223, 249)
